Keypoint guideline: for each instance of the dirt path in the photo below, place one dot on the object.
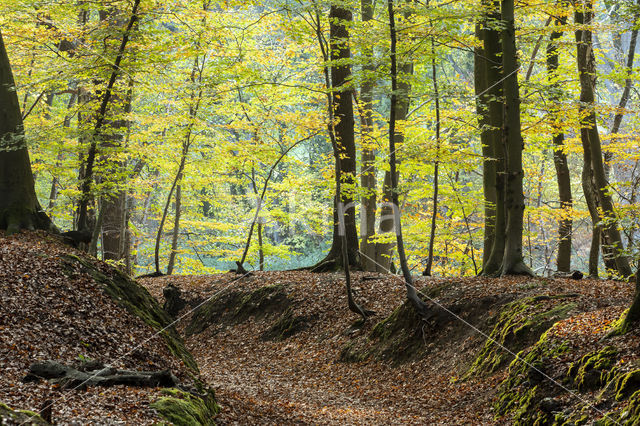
(300, 380)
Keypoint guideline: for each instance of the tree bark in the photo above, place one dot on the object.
(436, 94)
(412, 295)
(368, 154)
(19, 206)
(512, 262)
(591, 137)
(341, 131)
(494, 153)
(565, 224)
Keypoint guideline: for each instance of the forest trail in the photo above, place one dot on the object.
(301, 380)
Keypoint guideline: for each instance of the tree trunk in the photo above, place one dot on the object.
(343, 141)
(565, 224)
(412, 295)
(480, 67)
(494, 172)
(384, 251)
(87, 181)
(176, 228)
(19, 206)
(432, 234)
(590, 135)
(512, 262)
(368, 154)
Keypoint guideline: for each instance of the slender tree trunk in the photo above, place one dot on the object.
(85, 187)
(565, 224)
(384, 251)
(591, 136)
(19, 206)
(412, 294)
(626, 91)
(512, 262)
(436, 94)
(176, 228)
(368, 154)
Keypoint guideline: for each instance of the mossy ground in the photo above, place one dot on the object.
(185, 409)
(550, 384)
(9, 416)
(518, 325)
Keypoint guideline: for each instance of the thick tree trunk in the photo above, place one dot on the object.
(512, 262)
(19, 206)
(343, 140)
(494, 173)
(368, 154)
(565, 224)
(590, 135)
(480, 66)
(114, 205)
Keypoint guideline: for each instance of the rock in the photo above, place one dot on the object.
(550, 405)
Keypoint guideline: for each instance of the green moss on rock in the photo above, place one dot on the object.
(21, 417)
(133, 297)
(592, 370)
(519, 394)
(518, 325)
(627, 384)
(185, 409)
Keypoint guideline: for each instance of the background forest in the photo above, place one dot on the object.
(218, 119)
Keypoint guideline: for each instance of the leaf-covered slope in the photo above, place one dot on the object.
(58, 304)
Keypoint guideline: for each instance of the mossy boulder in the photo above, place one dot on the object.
(592, 370)
(518, 325)
(235, 307)
(185, 409)
(520, 394)
(133, 297)
(9, 416)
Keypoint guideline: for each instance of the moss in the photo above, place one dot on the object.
(136, 299)
(518, 325)
(185, 409)
(236, 307)
(627, 384)
(22, 417)
(591, 371)
(519, 394)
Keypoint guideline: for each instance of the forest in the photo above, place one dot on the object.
(315, 195)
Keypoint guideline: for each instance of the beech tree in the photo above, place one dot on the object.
(593, 175)
(19, 206)
(504, 142)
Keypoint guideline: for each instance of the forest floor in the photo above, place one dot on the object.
(286, 355)
(301, 379)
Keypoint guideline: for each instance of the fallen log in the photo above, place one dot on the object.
(97, 375)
